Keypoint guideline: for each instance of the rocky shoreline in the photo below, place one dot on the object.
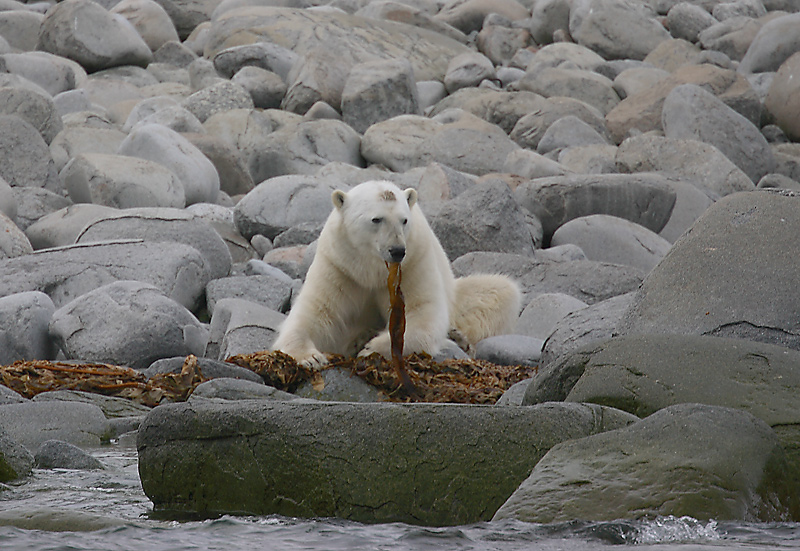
(165, 170)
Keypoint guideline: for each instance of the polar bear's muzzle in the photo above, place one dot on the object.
(397, 253)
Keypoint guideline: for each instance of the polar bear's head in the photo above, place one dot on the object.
(376, 217)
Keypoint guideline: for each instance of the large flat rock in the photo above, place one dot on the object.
(429, 464)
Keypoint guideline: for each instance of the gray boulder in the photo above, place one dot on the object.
(272, 291)
(126, 323)
(226, 388)
(540, 316)
(15, 460)
(596, 322)
(24, 318)
(339, 385)
(62, 227)
(690, 112)
(8, 203)
(26, 158)
(616, 29)
(775, 42)
(468, 71)
(33, 203)
(263, 55)
(569, 131)
(500, 107)
(113, 407)
(644, 199)
(731, 37)
(731, 468)
(55, 454)
(612, 239)
(782, 98)
(149, 19)
(354, 38)
(687, 20)
(8, 396)
(453, 137)
(241, 327)
(158, 143)
(280, 203)
(13, 241)
(222, 96)
(85, 32)
(266, 89)
(431, 464)
(35, 107)
(690, 203)
(510, 350)
(211, 369)
(469, 15)
(377, 91)
(484, 218)
(76, 139)
(65, 273)
(304, 148)
(585, 280)
(32, 423)
(729, 276)
(698, 163)
(583, 85)
(530, 128)
(163, 225)
(20, 28)
(122, 182)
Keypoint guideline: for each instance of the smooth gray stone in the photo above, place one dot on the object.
(8, 396)
(241, 327)
(429, 464)
(225, 388)
(13, 242)
(55, 454)
(158, 143)
(540, 316)
(24, 318)
(177, 270)
(703, 461)
(163, 225)
(265, 55)
(121, 181)
(62, 227)
(690, 112)
(468, 71)
(74, 140)
(113, 407)
(775, 42)
(485, 217)
(583, 85)
(513, 396)
(510, 350)
(585, 280)
(84, 31)
(211, 369)
(280, 203)
(15, 460)
(33, 203)
(596, 322)
(377, 91)
(126, 323)
(716, 286)
(645, 199)
(304, 148)
(339, 385)
(26, 157)
(569, 131)
(615, 240)
(503, 108)
(8, 203)
(693, 161)
(273, 292)
(267, 89)
(34, 107)
(32, 423)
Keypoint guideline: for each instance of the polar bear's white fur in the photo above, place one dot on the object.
(345, 293)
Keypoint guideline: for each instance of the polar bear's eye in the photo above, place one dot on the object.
(377, 220)
(405, 221)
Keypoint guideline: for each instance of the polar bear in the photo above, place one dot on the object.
(345, 294)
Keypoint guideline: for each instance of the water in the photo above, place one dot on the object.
(63, 510)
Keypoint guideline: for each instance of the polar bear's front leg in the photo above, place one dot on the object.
(426, 330)
(293, 342)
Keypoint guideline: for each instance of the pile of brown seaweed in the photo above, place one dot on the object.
(452, 381)
(30, 378)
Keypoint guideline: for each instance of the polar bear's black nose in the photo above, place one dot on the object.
(397, 253)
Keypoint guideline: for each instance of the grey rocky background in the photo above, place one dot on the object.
(165, 169)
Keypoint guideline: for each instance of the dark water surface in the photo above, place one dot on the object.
(63, 510)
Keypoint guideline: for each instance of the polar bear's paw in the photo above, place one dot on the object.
(381, 344)
(314, 360)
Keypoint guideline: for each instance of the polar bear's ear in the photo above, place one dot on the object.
(338, 198)
(411, 197)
